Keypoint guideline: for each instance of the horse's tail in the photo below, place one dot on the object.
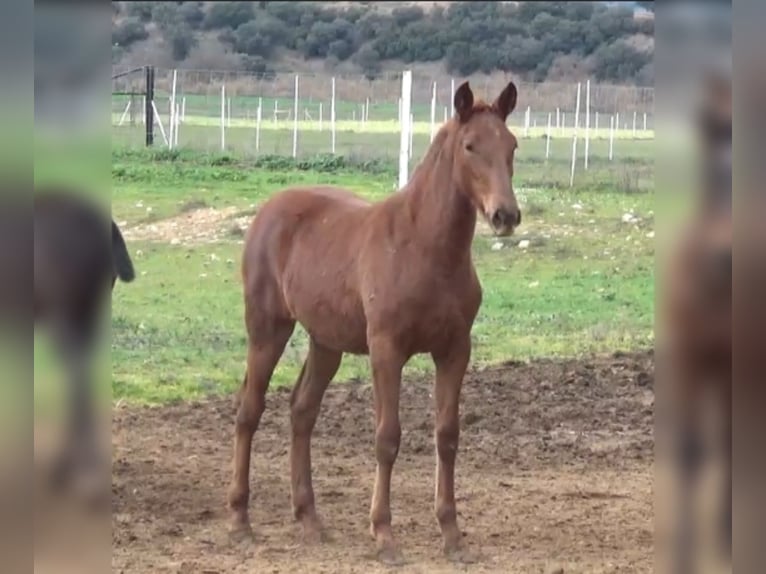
(122, 262)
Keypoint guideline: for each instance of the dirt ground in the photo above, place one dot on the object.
(553, 475)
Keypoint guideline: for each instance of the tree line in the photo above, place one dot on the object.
(528, 39)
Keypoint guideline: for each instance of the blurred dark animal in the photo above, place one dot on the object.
(697, 305)
(391, 280)
(78, 255)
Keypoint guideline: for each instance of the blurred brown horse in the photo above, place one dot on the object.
(697, 308)
(391, 280)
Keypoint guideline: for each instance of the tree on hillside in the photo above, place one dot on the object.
(525, 38)
(228, 15)
(193, 14)
(619, 61)
(461, 58)
(131, 30)
(259, 37)
(140, 10)
(368, 59)
(341, 50)
(181, 40)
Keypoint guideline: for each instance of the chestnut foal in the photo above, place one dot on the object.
(697, 312)
(391, 280)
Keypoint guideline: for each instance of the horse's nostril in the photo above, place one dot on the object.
(497, 219)
(518, 217)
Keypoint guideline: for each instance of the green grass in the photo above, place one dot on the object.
(585, 283)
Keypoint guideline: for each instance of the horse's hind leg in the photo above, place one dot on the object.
(318, 370)
(266, 346)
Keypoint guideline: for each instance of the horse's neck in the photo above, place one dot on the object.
(445, 219)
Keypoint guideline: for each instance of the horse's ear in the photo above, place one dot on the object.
(506, 101)
(463, 102)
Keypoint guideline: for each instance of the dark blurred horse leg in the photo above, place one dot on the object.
(689, 455)
(80, 460)
(726, 509)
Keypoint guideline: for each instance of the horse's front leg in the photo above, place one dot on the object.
(451, 365)
(387, 363)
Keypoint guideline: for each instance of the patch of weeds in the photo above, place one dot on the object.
(222, 160)
(534, 208)
(166, 155)
(192, 205)
(563, 251)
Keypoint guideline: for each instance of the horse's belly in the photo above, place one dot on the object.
(336, 328)
(330, 314)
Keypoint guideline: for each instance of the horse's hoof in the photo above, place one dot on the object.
(460, 555)
(240, 533)
(391, 556)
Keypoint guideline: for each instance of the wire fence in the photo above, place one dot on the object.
(308, 114)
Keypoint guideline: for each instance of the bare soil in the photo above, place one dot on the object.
(194, 227)
(553, 475)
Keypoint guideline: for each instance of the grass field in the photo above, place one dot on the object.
(631, 157)
(584, 283)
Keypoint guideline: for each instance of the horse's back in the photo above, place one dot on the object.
(306, 202)
(300, 260)
(294, 213)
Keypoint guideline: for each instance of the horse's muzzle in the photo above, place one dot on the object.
(503, 221)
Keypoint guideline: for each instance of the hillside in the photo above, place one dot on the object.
(535, 41)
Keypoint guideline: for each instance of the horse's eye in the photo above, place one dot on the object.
(469, 147)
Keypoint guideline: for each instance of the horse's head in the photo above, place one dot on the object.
(483, 155)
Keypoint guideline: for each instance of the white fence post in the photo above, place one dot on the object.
(177, 119)
(574, 138)
(548, 138)
(125, 113)
(587, 122)
(634, 124)
(526, 121)
(452, 97)
(412, 135)
(295, 120)
(611, 137)
(433, 111)
(159, 123)
(616, 122)
(320, 117)
(223, 117)
(332, 115)
(445, 114)
(258, 114)
(558, 119)
(406, 128)
(172, 125)
(644, 121)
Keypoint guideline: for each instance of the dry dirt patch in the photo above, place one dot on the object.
(194, 227)
(554, 470)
